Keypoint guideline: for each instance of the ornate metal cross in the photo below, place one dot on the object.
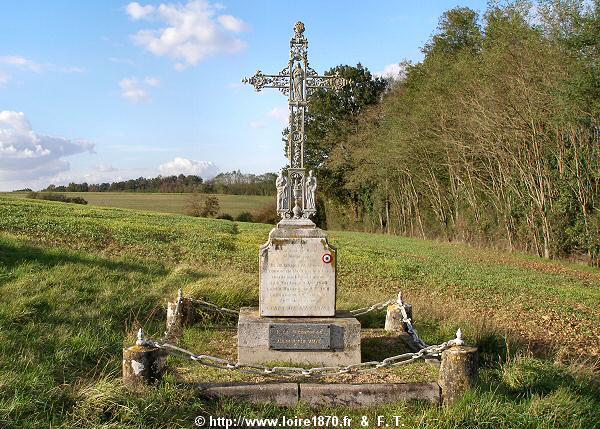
(298, 81)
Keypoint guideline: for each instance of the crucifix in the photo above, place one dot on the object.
(298, 81)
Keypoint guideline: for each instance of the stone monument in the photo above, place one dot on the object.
(297, 321)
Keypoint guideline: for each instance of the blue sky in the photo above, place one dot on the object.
(109, 90)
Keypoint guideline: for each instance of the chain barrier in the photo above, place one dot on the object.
(374, 307)
(283, 371)
(325, 371)
(356, 312)
(410, 329)
(210, 306)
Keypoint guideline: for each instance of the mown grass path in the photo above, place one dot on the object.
(76, 281)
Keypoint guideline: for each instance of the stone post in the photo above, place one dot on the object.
(180, 314)
(458, 370)
(394, 320)
(143, 363)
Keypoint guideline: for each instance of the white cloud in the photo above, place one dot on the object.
(71, 69)
(137, 11)
(105, 168)
(21, 62)
(4, 78)
(25, 154)
(121, 61)
(18, 62)
(256, 125)
(232, 23)
(394, 71)
(101, 173)
(135, 90)
(152, 81)
(193, 32)
(205, 169)
(280, 113)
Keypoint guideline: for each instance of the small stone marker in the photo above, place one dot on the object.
(180, 314)
(394, 320)
(458, 370)
(143, 363)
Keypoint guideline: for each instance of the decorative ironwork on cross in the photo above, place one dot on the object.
(298, 81)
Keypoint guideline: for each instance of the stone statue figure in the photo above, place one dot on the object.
(311, 189)
(297, 83)
(282, 195)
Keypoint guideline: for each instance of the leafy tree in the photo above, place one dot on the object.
(211, 207)
(492, 139)
(202, 206)
(458, 29)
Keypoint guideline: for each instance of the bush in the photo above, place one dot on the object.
(225, 216)
(49, 196)
(244, 217)
(268, 214)
(202, 206)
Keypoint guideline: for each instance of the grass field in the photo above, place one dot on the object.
(77, 281)
(166, 203)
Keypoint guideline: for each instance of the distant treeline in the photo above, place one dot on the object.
(493, 139)
(235, 183)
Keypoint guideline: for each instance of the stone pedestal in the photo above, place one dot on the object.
(323, 341)
(297, 271)
(296, 321)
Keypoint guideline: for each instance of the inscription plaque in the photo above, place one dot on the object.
(295, 280)
(299, 336)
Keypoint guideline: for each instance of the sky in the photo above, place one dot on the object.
(97, 91)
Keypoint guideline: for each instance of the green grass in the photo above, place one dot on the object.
(165, 203)
(77, 281)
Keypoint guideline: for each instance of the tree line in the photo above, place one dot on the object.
(492, 139)
(235, 182)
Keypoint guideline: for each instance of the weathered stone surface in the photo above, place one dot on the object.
(186, 316)
(394, 320)
(282, 394)
(458, 372)
(324, 395)
(297, 272)
(367, 395)
(143, 364)
(253, 340)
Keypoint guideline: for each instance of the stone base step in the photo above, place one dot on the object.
(325, 395)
